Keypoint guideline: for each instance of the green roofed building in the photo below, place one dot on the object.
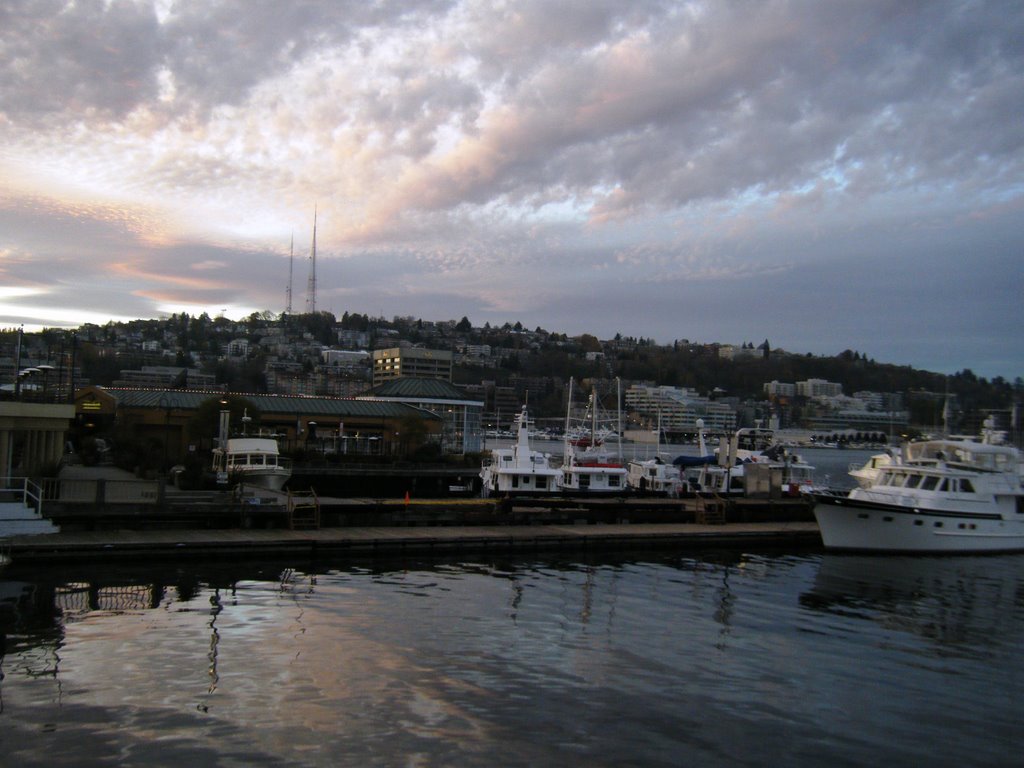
(327, 424)
(461, 415)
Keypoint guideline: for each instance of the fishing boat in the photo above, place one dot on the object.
(519, 470)
(591, 466)
(250, 460)
(944, 495)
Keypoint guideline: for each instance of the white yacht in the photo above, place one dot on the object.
(249, 460)
(519, 470)
(951, 495)
(867, 473)
(252, 461)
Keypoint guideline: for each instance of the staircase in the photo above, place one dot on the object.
(303, 510)
(710, 510)
(20, 511)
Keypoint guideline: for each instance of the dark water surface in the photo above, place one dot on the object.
(664, 659)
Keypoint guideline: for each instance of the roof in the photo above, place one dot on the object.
(416, 388)
(267, 404)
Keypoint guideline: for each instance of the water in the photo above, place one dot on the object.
(660, 659)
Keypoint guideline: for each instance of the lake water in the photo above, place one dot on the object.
(649, 659)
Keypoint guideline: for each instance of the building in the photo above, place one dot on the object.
(776, 389)
(818, 388)
(157, 376)
(394, 362)
(678, 409)
(461, 430)
(165, 417)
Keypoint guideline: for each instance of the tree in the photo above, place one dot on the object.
(464, 326)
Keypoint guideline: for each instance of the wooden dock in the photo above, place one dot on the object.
(133, 545)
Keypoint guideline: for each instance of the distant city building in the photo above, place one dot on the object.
(818, 388)
(678, 409)
(779, 389)
(238, 348)
(159, 376)
(396, 362)
(353, 339)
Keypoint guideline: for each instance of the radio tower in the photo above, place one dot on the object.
(291, 260)
(311, 288)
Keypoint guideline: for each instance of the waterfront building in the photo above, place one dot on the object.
(461, 430)
(165, 417)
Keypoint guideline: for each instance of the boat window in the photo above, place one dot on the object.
(613, 480)
(515, 481)
(913, 481)
(944, 486)
(966, 486)
(256, 458)
(929, 483)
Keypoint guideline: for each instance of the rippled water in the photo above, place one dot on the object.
(655, 660)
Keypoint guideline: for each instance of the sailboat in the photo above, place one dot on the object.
(589, 466)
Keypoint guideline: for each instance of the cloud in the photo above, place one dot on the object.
(499, 155)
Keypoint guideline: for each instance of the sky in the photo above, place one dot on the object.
(823, 175)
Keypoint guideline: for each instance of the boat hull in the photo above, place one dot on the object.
(270, 479)
(848, 524)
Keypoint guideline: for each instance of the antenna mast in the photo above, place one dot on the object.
(291, 261)
(311, 288)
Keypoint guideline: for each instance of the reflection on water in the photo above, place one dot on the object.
(658, 660)
(967, 604)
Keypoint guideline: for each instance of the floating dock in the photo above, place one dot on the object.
(132, 545)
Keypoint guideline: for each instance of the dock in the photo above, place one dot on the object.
(102, 546)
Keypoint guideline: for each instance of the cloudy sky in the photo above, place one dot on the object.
(826, 175)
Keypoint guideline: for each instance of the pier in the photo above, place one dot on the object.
(116, 519)
(128, 545)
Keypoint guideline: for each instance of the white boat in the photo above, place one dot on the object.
(946, 495)
(867, 473)
(249, 460)
(655, 476)
(590, 466)
(519, 470)
(252, 461)
(727, 474)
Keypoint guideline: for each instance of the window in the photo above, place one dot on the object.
(966, 486)
(929, 483)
